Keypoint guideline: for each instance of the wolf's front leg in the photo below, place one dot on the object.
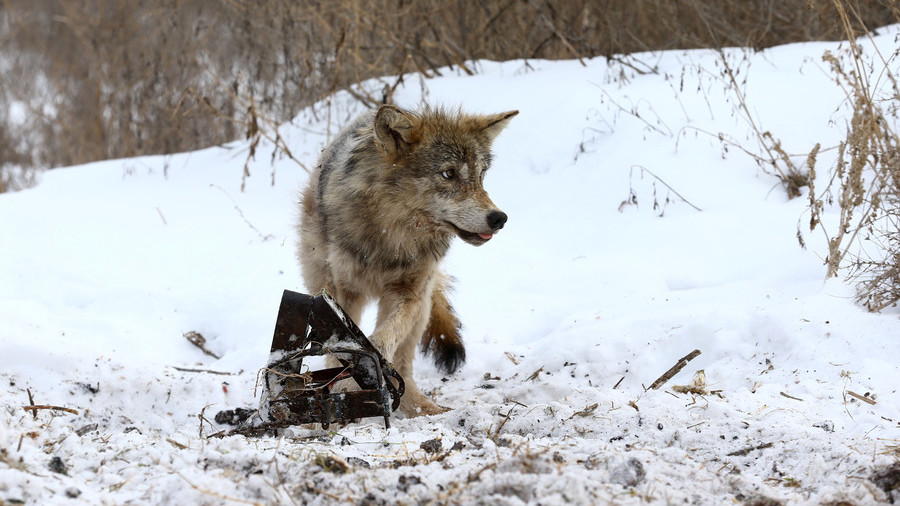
(402, 318)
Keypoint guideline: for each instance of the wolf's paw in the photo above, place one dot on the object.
(421, 407)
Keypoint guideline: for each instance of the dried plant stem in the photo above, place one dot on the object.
(864, 245)
(648, 171)
(675, 369)
(861, 397)
(35, 408)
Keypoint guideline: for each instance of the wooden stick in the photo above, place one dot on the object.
(745, 451)
(861, 397)
(199, 341)
(675, 369)
(176, 444)
(31, 402)
(535, 374)
(34, 408)
(207, 371)
(502, 423)
(584, 412)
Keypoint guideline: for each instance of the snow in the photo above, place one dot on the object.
(604, 277)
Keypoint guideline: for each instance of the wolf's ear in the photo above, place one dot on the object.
(495, 124)
(394, 129)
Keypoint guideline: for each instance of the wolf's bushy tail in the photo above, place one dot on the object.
(441, 337)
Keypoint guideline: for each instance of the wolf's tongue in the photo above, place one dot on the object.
(485, 236)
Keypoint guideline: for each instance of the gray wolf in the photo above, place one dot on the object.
(378, 215)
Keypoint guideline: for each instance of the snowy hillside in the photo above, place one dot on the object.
(639, 230)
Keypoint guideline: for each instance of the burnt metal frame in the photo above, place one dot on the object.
(314, 326)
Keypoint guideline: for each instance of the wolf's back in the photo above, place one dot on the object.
(343, 154)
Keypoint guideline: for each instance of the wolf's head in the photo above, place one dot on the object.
(441, 158)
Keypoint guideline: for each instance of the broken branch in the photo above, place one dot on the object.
(790, 396)
(585, 412)
(535, 374)
(745, 451)
(199, 341)
(675, 369)
(31, 402)
(861, 397)
(33, 408)
(206, 371)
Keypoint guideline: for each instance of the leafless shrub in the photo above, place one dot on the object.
(114, 78)
(865, 244)
(13, 162)
(769, 153)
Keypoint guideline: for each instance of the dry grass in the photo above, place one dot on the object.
(114, 78)
(864, 245)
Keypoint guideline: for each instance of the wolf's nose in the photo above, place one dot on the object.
(496, 220)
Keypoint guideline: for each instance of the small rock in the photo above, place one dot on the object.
(761, 500)
(431, 446)
(87, 428)
(332, 464)
(371, 500)
(90, 388)
(58, 466)
(407, 480)
(628, 473)
(358, 462)
(888, 479)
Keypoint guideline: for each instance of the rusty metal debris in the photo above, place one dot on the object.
(292, 394)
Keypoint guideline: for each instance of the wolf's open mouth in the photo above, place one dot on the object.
(476, 239)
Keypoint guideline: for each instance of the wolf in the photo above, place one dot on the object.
(378, 215)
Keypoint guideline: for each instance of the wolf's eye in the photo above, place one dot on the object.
(448, 174)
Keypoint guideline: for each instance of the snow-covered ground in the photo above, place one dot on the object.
(639, 231)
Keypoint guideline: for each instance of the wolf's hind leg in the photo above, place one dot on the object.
(441, 337)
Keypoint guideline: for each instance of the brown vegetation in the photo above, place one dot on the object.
(112, 78)
(864, 245)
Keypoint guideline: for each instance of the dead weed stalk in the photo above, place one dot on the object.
(255, 124)
(773, 159)
(864, 244)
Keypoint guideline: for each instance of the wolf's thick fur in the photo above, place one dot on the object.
(387, 197)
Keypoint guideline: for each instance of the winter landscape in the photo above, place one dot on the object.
(644, 224)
